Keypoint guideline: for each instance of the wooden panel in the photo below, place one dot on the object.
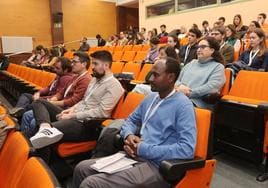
(87, 18)
(26, 18)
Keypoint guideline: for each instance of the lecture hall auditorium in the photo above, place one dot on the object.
(133, 93)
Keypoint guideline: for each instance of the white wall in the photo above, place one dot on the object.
(249, 9)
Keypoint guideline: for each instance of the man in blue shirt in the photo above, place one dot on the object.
(165, 122)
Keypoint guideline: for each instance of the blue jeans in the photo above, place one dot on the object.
(28, 125)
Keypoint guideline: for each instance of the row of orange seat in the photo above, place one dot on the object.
(33, 77)
(19, 170)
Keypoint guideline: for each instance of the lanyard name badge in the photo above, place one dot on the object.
(252, 56)
(151, 110)
(94, 86)
(187, 51)
(70, 86)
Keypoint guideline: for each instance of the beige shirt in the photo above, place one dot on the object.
(100, 98)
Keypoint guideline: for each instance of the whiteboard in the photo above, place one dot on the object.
(15, 44)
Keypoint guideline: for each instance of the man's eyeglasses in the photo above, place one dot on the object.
(202, 46)
(75, 61)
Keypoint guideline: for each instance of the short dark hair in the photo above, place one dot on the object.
(263, 15)
(222, 18)
(163, 25)
(196, 31)
(83, 57)
(173, 66)
(39, 47)
(103, 55)
(221, 29)
(256, 24)
(65, 64)
(204, 22)
(154, 40)
(98, 36)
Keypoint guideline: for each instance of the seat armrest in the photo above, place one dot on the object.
(263, 107)
(174, 170)
(119, 142)
(239, 103)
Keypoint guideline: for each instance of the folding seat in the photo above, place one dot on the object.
(140, 56)
(117, 55)
(117, 67)
(37, 174)
(145, 47)
(93, 48)
(105, 48)
(68, 149)
(197, 172)
(118, 48)
(241, 126)
(228, 83)
(111, 49)
(236, 55)
(184, 41)
(133, 68)
(128, 48)
(69, 54)
(130, 103)
(128, 56)
(49, 79)
(13, 157)
(136, 47)
(144, 71)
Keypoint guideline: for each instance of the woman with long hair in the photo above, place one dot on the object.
(173, 42)
(256, 57)
(231, 37)
(239, 27)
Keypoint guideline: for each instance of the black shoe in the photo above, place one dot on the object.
(16, 112)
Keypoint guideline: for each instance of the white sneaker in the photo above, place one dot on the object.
(45, 137)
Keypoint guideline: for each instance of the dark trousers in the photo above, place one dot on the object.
(72, 129)
(24, 101)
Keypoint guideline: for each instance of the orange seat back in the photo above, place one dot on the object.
(251, 85)
(128, 56)
(118, 48)
(37, 174)
(130, 104)
(137, 47)
(117, 55)
(132, 67)
(145, 47)
(226, 87)
(140, 56)
(117, 67)
(12, 159)
(203, 123)
(127, 48)
(144, 71)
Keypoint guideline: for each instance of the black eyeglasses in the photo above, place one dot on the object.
(203, 46)
(75, 61)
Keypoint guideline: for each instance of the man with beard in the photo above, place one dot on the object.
(100, 98)
(166, 127)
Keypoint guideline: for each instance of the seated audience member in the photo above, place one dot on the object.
(164, 52)
(100, 98)
(206, 29)
(34, 57)
(63, 99)
(256, 57)
(252, 26)
(84, 46)
(163, 31)
(261, 19)
(44, 58)
(188, 52)
(63, 69)
(226, 50)
(221, 21)
(239, 27)
(122, 39)
(231, 38)
(158, 139)
(153, 51)
(203, 76)
(139, 39)
(173, 42)
(101, 41)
